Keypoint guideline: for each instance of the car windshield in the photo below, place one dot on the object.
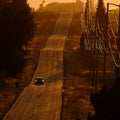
(39, 78)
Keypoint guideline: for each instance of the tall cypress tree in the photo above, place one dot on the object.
(86, 15)
(16, 30)
(101, 14)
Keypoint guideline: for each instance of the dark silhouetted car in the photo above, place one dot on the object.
(39, 81)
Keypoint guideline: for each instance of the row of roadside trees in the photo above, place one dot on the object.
(105, 100)
(17, 28)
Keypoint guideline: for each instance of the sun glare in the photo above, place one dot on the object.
(36, 3)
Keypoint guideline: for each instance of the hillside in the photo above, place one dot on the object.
(56, 6)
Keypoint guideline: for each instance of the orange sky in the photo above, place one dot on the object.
(36, 3)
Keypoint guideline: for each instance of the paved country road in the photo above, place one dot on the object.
(44, 102)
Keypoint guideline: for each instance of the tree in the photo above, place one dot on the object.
(82, 42)
(101, 14)
(16, 30)
(86, 16)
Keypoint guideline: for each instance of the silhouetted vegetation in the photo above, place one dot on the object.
(105, 100)
(106, 103)
(101, 14)
(86, 12)
(16, 30)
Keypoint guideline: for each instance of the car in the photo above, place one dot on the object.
(39, 81)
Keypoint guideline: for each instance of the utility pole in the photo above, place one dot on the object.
(117, 68)
(91, 23)
(105, 54)
(117, 72)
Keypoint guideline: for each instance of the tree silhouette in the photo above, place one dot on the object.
(86, 15)
(106, 103)
(101, 14)
(16, 30)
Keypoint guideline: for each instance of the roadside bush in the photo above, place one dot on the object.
(106, 103)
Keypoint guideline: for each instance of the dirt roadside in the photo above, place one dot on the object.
(76, 88)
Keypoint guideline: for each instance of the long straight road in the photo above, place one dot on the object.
(44, 102)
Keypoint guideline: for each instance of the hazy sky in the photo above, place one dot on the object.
(36, 3)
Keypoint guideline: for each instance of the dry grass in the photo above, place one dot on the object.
(77, 87)
(76, 102)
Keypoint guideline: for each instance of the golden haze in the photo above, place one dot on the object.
(36, 3)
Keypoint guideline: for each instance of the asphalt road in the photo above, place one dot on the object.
(44, 102)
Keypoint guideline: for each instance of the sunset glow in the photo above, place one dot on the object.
(36, 3)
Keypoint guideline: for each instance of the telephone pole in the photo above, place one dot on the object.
(117, 68)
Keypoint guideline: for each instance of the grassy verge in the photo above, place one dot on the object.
(76, 102)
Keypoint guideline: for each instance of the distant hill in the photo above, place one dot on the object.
(56, 6)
